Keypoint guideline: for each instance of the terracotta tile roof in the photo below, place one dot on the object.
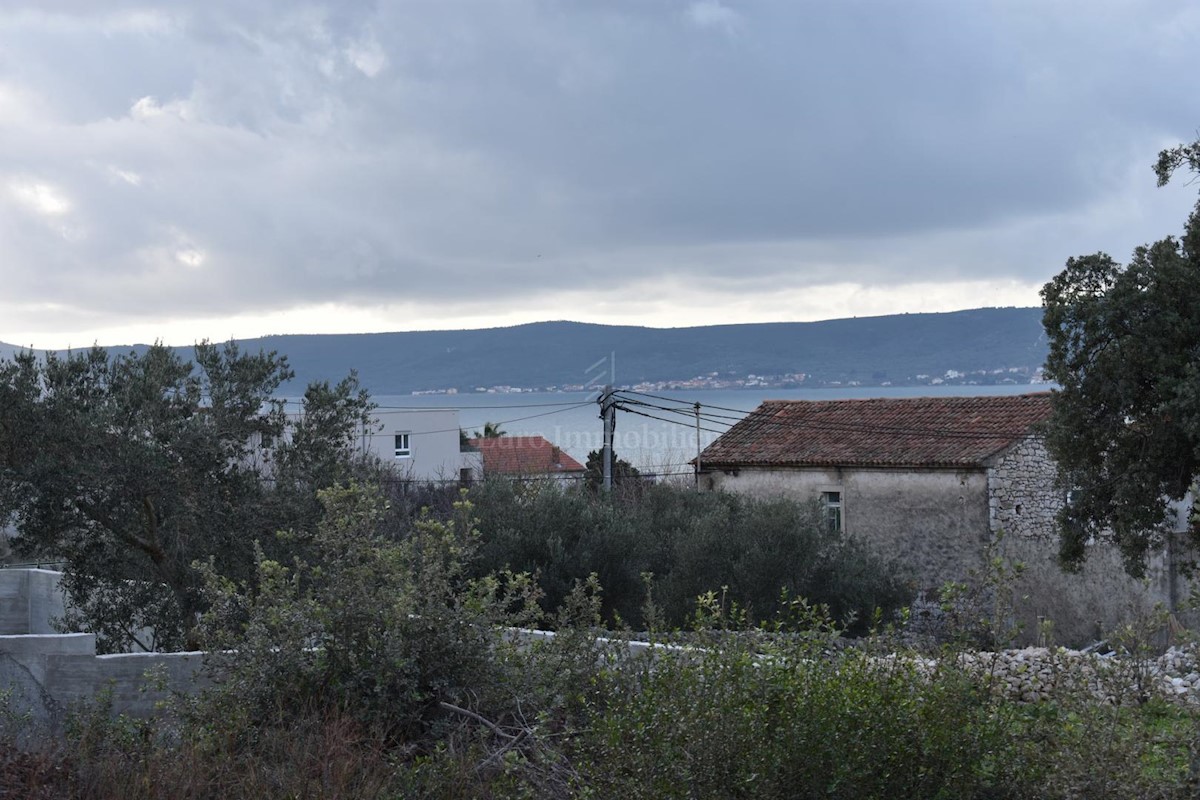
(524, 455)
(909, 432)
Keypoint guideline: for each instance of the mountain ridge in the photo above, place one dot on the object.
(899, 349)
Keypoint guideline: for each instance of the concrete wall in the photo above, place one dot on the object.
(30, 600)
(433, 441)
(935, 522)
(47, 672)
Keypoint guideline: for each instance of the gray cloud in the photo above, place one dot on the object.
(220, 158)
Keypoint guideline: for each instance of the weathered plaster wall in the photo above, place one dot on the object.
(933, 521)
(1084, 605)
(940, 524)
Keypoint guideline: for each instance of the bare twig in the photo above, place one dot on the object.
(493, 727)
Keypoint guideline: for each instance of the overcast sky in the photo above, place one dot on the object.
(217, 168)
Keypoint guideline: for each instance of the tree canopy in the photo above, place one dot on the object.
(131, 468)
(623, 472)
(491, 430)
(1125, 350)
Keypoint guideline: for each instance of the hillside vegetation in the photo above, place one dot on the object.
(867, 350)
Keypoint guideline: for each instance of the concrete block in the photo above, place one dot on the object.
(30, 650)
(130, 676)
(46, 601)
(14, 601)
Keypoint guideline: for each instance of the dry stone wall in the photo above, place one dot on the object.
(1037, 674)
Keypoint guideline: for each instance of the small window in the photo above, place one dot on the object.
(831, 505)
(402, 448)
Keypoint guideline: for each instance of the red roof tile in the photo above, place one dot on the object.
(909, 432)
(524, 455)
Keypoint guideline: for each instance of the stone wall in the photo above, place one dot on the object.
(1023, 499)
(944, 525)
(1023, 495)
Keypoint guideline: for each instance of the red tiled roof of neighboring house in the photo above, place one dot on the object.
(908, 432)
(524, 455)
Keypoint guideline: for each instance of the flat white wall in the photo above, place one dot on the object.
(433, 442)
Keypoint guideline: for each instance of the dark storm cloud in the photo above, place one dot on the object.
(222, 158)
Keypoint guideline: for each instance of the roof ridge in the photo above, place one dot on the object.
(962, 430)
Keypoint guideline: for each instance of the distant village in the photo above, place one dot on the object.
(791, 380)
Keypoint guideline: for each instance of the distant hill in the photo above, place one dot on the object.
(901, 350)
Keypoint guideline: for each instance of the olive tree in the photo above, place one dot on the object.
(130, 468)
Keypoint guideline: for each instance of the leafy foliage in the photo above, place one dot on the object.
(1171, 159)
(131, 467)
(1125, 350)
(371, 668)
(382, 630)
(623, 472)
(689, 542)
(491, 430)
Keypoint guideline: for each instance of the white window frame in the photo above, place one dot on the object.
(833, 509)
(403, 444)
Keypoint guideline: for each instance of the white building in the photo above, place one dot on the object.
(422, 444)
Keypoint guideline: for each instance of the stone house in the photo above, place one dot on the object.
(939, 484)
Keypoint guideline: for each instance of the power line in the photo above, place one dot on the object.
(689, 413)
(506, 421)
(488, 408)
(575, 403)
(664, 419)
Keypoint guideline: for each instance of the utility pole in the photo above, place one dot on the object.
(697, 407)
(608, 412)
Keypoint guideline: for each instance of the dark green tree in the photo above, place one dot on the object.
(1125, 350)
(131, 468)
(623, 473)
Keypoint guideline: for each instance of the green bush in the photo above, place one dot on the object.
(690, 542)
(377, 667)
(796, 713)
(381, 630)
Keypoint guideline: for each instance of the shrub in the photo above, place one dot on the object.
(383, 631)
(690, 542)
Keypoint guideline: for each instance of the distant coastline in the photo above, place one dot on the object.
(979, 347)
